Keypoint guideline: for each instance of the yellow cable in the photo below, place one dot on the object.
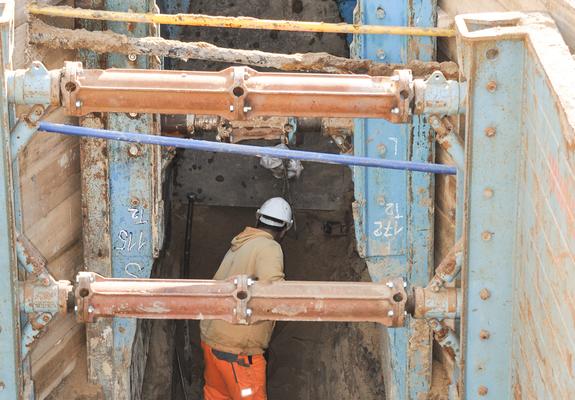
(234, 22)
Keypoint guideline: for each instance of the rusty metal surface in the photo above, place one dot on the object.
(268, 128)
(444, 303)
(235, 93)
(51, 297)
(240, 300)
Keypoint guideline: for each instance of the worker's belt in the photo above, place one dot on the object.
(244, 361)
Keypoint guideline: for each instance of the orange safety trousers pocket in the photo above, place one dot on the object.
(233, 377)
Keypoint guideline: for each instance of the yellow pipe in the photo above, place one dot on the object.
(234, 22)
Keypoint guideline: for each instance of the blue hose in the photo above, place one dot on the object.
(246, 150)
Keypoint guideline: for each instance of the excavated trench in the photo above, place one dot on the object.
(305, 360)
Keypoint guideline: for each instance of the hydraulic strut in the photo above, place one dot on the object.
(236, 93)
(240, 300)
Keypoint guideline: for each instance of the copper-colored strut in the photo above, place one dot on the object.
(236, 93)
(240, 300)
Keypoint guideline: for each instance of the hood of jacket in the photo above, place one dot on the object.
(248, 234)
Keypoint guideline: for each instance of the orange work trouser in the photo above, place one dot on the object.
(226, 379)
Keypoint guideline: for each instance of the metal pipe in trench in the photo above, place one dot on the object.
(247, 150)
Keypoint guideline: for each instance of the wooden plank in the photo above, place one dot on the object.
(68, 263)
(59, 230)
(50, 173)
(55, 354)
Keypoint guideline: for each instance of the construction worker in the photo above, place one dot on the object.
(235, 367)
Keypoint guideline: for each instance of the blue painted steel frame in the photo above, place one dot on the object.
(394, 210)
(131, 182)
(490, 218)
(10, 360)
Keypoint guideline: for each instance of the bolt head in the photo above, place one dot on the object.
(488, 193)
(232, 108)
(78, 103)
(133, 150)
(482, 390)
(380, 54)
(490, 131)
(486, 235)
(390, 313)
(491, 86)
(380, 13)
(46, 318)
(484, 294)
(249, 312)
(484, 335)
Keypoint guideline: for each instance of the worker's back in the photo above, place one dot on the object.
(254, 252)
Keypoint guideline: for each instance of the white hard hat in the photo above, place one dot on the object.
(275, 212)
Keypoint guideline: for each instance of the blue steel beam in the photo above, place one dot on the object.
(133, 205)
(494, 69)
(393, 210)
(10, 360)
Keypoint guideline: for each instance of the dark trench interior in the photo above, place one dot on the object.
(305, 360)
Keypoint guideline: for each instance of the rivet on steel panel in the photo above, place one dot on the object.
(134, 150)
(490, 131)
(482, 390)
(488, 193)
(484, 294)
(484, 335)
(486, 235)
(492, 86)
(492, 54)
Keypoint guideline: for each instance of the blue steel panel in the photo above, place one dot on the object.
(10, 368)
(491, 214)
(394, 210)
(131, 200)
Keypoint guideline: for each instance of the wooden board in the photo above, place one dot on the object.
(50, 187)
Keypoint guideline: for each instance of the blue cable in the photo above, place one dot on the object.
(246, 150)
